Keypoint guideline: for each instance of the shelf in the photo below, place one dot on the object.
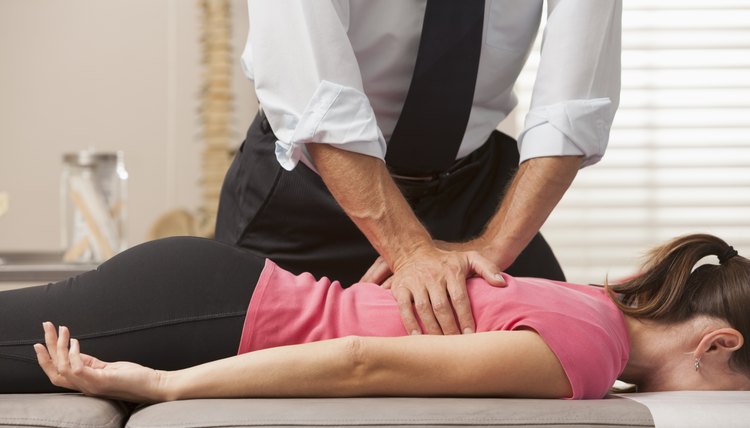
(38, 267)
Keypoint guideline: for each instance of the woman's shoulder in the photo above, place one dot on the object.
(579, 323)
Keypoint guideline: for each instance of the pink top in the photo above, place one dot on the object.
(579, 323)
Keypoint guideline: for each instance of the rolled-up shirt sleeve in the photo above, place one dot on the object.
(577, 88)
(307, 78)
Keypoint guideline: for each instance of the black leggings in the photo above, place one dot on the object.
(167, 304)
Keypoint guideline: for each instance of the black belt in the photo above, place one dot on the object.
(403, 179)
(463, 171)
(459, 164)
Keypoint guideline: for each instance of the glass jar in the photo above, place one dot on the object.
(94, 205)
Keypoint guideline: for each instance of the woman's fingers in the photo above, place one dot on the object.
(50, 340)
(92, 362)
(59, 363)
(77, 365)
(49, 367)
(63, 362)
(45, 362)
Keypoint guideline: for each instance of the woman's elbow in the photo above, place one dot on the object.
(356, 356)
(359, 366)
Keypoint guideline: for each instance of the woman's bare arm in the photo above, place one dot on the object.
(505, 364)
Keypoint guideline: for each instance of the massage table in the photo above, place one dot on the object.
(661, 410)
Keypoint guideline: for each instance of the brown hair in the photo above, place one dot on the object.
(671, 289)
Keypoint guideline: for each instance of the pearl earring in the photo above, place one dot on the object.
(697, 364)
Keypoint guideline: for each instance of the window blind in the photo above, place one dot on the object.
(678, 160)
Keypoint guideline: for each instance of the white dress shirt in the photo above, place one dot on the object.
(338, 71)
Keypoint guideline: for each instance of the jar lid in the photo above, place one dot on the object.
(90, 157)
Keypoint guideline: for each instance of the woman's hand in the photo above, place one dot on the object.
(66, 367)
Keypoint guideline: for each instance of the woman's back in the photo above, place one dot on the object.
(579, 323)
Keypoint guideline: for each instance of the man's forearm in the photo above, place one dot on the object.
(536, 189)
(427, 281)
(365, 190)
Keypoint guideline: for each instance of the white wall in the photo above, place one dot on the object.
(110, 74)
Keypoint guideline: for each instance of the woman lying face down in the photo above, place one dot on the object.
(672, 327)
(677, 311)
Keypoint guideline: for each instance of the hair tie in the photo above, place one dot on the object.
(728, 254)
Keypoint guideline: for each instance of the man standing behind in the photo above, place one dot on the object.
(391, 107)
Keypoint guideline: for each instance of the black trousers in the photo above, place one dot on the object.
(167, 304)
(291, 218)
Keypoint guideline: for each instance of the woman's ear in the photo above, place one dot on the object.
(720, 341)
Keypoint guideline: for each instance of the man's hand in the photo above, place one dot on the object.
(432, 279)
(432, 283)
(534, 192)
(423, 274)
(380, 273)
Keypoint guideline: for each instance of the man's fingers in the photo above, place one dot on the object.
(406, 310)
(377, 273)
(443, 310)
(387, 283)
(461, 305)
(424, 310)
(487, 270)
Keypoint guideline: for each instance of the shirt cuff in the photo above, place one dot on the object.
(571, 128)
(336, 115)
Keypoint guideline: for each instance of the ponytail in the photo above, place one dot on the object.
(671, 289)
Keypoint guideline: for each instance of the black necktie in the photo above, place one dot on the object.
(436, 110)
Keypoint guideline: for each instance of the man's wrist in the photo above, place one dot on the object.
(366, 192)
(417, 248)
